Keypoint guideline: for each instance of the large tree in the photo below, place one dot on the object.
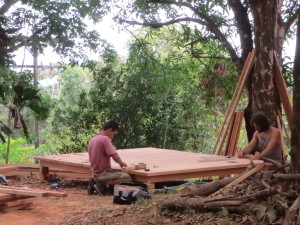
(262, 25)
(295, 131)
(40, 23)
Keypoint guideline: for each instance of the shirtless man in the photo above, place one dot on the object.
(266, 140)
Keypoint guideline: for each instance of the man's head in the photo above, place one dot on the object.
(260, 122)
(110, 128)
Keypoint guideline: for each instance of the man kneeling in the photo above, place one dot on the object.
(100, 149)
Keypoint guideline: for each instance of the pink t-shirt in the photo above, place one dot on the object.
(100, 149)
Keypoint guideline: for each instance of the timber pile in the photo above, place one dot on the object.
(273, 196)
(31, 170)
(16, 198)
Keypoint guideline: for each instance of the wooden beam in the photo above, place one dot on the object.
(240, 179)
(282, 90)
(234, 138)
(226, 137)
(23, 192)
(47, 193)
(236, 95)
(279, 124)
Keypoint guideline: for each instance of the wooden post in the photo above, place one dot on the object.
(43, 172)
(283, 93)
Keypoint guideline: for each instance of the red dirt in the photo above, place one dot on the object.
(79, 208)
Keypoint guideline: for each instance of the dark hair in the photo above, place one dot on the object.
(261, 120)
(111, 124)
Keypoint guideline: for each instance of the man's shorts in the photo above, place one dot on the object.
(112, 177)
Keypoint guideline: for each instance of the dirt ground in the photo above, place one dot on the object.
(80, 208)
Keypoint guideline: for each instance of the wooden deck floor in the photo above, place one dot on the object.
(164, 165)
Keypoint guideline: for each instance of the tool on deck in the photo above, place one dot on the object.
(216, 158)
(139, 166)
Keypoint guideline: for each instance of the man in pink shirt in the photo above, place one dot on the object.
(100, 150)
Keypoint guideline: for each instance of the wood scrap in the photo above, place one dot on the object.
(211, 187)
(39, 192)
(291, 212)
(291, 177)
(23, 192)
(15, 198)
(241, 178)
(263, 190)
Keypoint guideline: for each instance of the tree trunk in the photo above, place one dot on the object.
(36, 123)
(8, 138)
(263, 94)
(295, 129)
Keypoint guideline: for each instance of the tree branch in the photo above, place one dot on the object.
(204, 20)
(27, 40)
(159, 25)
(6, 6)
(291, 20)
(200, 40)
(243, 26)
(209, 23)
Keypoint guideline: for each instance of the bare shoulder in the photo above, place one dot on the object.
(275, 131)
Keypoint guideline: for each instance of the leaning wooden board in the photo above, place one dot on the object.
(163, 164)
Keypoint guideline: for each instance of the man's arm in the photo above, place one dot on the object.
(118, 160)
(248, 149)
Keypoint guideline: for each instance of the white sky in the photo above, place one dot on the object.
(107, 29)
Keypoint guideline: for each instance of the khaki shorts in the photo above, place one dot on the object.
(112, 177)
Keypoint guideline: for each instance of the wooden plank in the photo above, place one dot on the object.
(228, 135)
(22, 192)
(57, 194)
(282, 90)
(240, 179)
(18, 206)
(11, 197)
(4, 197)
(175, 177)
(285, 153)
(237, 93)
(235, 134)
(18, 202)
(48, 193)
(283, 126)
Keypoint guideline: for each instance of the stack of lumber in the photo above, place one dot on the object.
(227, 140)
(15, 170)
(15, 198)
(31, 170)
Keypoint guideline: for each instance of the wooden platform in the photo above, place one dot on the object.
(164, 165)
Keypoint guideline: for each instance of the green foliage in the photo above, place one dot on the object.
(59, 24)
(19, 151)
(19, 92)
(72, 117)
(158, 96)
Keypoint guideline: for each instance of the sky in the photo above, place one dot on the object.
(107, 29)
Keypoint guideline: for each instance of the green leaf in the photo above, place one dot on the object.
(223, 212)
